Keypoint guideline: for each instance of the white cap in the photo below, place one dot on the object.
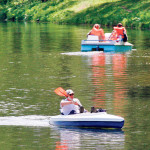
(69, 91)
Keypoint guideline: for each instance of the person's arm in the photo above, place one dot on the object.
(80, 105)
(89, 33)
(63, 103)
(125, 30)
(77, 102)
(103, 35)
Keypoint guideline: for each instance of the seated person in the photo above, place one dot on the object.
(96, 30)
(70, 105)
(120, 31)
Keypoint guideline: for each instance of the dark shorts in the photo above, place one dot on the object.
(71, 113)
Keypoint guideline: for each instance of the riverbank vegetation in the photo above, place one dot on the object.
(132, 13)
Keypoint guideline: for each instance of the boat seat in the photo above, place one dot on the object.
(92, 37)
(107, 35)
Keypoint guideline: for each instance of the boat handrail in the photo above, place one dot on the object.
(101, 40)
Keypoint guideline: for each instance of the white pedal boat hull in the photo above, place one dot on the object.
(98, 120)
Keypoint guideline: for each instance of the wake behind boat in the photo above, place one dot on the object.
(92, 120)
(94, 44)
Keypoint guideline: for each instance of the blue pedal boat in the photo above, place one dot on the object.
(90, 120)
(94, 44)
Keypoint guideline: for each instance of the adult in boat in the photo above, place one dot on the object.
(96, 30)
(70, 105)
(118, 32)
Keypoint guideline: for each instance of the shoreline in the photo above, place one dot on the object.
(134, 15)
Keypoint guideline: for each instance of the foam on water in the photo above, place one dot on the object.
(83, 53)
(31, 120)
(91, 53)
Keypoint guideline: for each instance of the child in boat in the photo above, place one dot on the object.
(70, 105)
(120, 31)
(96, 30)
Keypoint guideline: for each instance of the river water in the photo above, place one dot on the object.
(36, 58)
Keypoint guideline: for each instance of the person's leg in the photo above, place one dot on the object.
(72, 112)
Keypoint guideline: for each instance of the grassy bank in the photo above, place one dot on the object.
(132, 13)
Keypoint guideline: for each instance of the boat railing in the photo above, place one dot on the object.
(101, 40)
(109, 42)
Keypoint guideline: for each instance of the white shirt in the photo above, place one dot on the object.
(68, 108)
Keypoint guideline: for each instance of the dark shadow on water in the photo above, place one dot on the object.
(139, 91)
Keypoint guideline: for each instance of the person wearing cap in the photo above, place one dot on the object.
(70, 105)
(120, 31)
(97, 31)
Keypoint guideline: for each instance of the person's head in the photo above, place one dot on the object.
(119, 25)
(70, 93)
(97, 26)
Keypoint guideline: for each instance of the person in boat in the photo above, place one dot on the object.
(96, 30)
(70, 105)
(120, 31)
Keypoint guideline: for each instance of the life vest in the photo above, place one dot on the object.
(98, 32)
(120, 31)
(113, 36)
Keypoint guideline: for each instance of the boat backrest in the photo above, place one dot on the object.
(107, 35)
(92, 37)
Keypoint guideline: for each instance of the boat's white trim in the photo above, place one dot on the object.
(102, 116)
(106, 42)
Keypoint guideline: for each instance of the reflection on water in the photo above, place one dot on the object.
(98, 79)
(73, 138)
(109, 77)
(120, 76)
